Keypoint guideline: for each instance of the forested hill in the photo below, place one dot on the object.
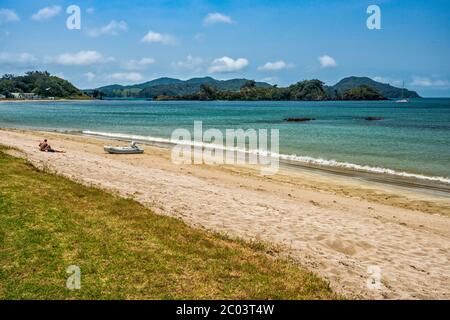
(307, 90)
(195, 88)
(40, 83)
(386, 90)
(173, 87)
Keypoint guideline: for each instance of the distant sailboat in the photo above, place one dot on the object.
(403, 100)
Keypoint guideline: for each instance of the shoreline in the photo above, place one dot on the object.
(336, 226)
(379, 178)
(403, 179)
(435, 189)
(428, 183)
(41, 100)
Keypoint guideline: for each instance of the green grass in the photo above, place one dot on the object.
(124, 250)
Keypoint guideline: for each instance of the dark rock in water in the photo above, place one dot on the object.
(298, 119)
(373, 118)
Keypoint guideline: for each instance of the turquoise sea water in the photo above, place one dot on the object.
(412, 138)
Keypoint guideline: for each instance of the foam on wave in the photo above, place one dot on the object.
(288, 157)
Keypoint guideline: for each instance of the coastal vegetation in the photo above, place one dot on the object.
(384, 89)
(307, 90)
(363, 92)
(172, 87)
(124, 250)
(208, 88)
(38, 84)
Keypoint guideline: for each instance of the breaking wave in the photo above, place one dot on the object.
(287, 157)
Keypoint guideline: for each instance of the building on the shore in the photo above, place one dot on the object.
(25, 95)
(30, 96)
(2, 96)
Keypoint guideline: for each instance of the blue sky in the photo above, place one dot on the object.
(276, 41)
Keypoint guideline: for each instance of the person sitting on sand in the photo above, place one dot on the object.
(44, 146)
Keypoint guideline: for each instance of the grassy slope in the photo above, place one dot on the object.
(123, 249)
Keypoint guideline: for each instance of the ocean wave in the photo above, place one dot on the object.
(287, 157)
(127, 136)
(358, 167)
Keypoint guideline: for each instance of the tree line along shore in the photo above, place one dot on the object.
(41, 85)
(307, 90)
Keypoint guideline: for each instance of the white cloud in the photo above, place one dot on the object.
(81, 58)
(46, 13)
(429, 82)
(199, 37)
(17, 58)
(326, 61)
(275, 66)
(90, 10)
(8, 15)
(138, 64)
(89, 76)
(125, 77)
(113, 28)
(216, 17)
(270, 80)
(227, 64)
(191, 63)
(156, 37)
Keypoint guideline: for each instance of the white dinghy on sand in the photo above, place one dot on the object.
(132, 149)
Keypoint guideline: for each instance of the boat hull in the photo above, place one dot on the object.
(123, 150)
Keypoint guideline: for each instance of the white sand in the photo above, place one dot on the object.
(335, 226)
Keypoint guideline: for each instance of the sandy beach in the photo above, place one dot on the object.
(337, 226)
